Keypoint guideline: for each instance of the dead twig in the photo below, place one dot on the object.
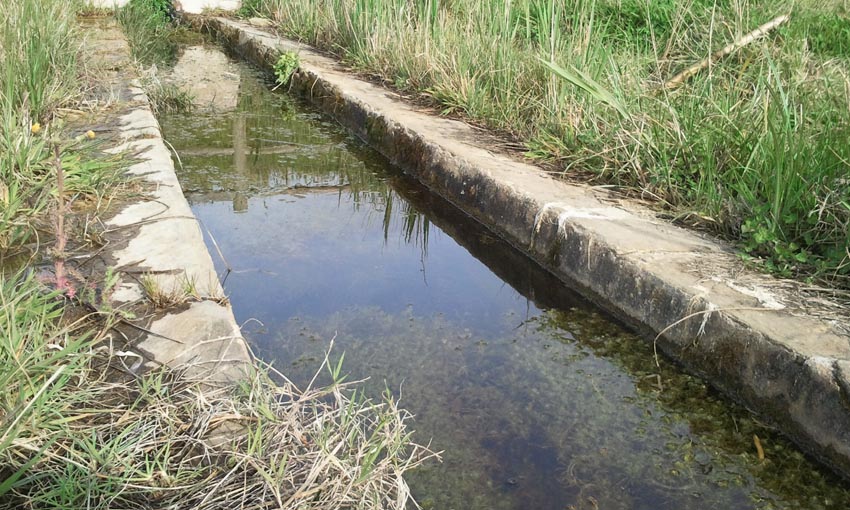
(706, 314)
(729, 49)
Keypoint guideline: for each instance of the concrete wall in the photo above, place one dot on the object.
(192, 6)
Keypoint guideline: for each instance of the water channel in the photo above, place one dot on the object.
(538, 400)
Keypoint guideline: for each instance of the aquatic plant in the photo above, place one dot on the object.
(285, 66)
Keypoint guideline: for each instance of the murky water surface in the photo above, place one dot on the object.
(538, 400)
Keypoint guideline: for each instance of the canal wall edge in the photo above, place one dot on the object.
(155, 238)
(690, 295)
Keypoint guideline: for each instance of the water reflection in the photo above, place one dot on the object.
(538, 400)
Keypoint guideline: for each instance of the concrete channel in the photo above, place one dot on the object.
(747, 334)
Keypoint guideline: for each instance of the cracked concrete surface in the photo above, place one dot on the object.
(719, 320)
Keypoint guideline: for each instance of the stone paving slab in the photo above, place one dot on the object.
(733, 327)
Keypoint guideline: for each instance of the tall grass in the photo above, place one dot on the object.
(77, 433)
(38, 73)
(149, 32)
(38, 56)
(751, 147)
(38, 359)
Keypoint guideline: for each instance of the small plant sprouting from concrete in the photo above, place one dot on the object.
(160, 297)
(184, 290)
(285, 67)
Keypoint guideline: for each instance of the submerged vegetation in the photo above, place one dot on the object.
(751, 145)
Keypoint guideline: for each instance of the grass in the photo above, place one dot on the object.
(149, 31)
(79, 430)
(753, 147)
(80, 426)
(154, 40)
(39, 73)
(166, 98)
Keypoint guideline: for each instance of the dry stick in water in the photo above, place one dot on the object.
(727, 50)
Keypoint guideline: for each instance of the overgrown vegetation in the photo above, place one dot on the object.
(753, 147)
(250, 8)
(80, 425)
(153, 36)
(37, 73)
(75, 434)
(147, 25)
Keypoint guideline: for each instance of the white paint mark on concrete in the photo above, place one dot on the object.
(766, 298)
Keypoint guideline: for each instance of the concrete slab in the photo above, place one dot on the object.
(162, 241)
(742, 331)
(203, 341)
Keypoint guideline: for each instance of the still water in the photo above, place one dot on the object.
(537, 399)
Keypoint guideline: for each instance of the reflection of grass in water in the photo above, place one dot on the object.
(321, 155)
(320, 150)
(414, 225)
(563, 408)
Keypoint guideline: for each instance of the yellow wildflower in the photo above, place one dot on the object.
(90, 134)
(35, 128)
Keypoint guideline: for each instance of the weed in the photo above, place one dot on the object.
(161, 297)
(285, 67)
(166, 98)
(249, 8)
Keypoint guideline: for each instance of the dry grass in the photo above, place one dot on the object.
(163, 441)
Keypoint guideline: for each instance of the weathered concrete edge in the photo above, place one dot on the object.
(747, 350)
(203, 340)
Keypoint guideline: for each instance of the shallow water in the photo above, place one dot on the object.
(538, 400)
